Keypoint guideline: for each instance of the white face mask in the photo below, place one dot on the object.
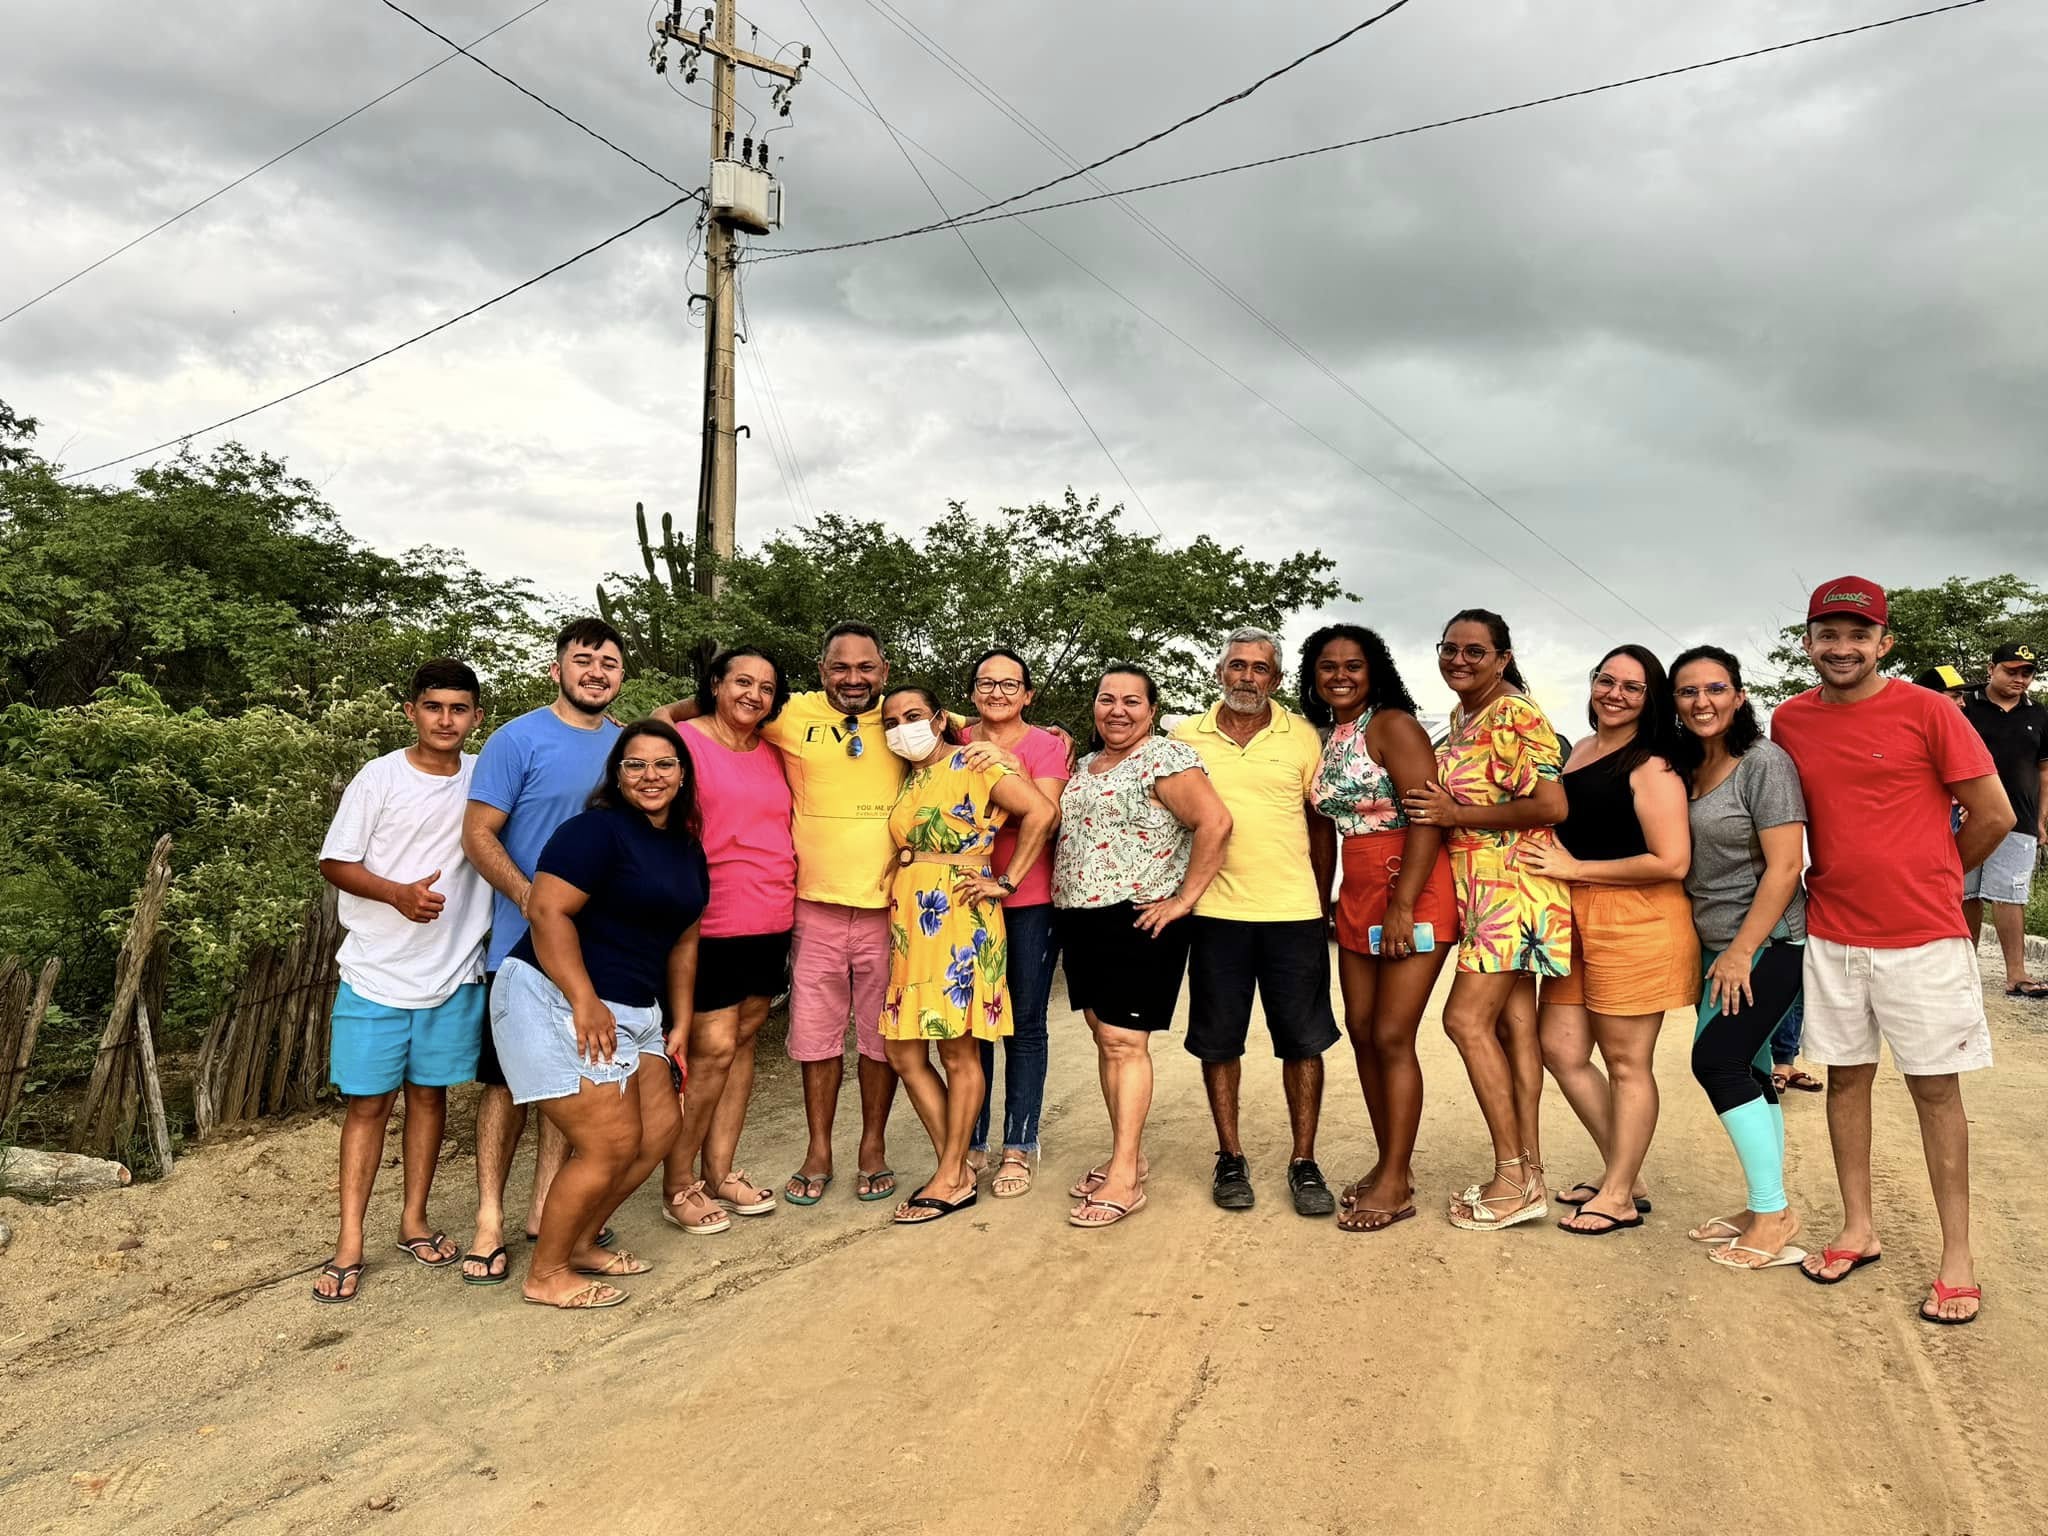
(912, 741)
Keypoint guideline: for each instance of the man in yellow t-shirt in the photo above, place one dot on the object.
(1263, 923)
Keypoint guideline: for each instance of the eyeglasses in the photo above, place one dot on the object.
(854, 745)
(640, 765)
(1449, 652)
(1692, 691)
(1008, 687)
(1607, 682)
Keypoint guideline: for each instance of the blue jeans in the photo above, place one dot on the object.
(1785, 1039)
(1032, 953)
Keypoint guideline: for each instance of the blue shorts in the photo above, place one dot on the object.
(534, 1030)
(377, 1047)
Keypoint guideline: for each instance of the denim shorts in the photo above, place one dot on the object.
(2006, 876)
(534, 1029)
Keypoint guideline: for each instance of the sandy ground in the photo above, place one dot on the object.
(1190, 1370)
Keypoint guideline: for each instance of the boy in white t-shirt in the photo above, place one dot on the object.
(410, 1008)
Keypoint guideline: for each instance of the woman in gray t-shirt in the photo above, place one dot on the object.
(1748, 849)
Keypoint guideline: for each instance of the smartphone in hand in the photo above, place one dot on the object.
(1425, 937)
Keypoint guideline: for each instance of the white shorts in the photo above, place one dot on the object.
(2007, 875)
(1926, 1003)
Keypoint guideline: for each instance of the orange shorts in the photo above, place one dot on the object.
(1634, 950)
(1371, 865)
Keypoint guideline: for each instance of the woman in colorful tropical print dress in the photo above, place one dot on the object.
(1497, 794)
(947, 950)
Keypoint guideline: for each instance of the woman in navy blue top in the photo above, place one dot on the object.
(578, 1006)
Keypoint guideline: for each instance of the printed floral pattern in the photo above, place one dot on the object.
(948, 956)
(1355, 792)
(1117, 842)
(1510, 920)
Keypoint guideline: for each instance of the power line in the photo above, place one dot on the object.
(1285, 415)
(975, 257)
(434, 330)
(266, 165)
(753, 342)
(575, 123)
(986, 217)
(977, 214)
(1016, 115)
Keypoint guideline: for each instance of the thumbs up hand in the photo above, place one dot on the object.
(417, 902)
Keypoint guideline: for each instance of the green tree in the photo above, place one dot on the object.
(1065, 584)
(1958, 624)
(223, 581)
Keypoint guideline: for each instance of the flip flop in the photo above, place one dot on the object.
(822, 1180)
(2033, 991)
(490, 1276)
(941, 1208)
(1614, 1224)
(1801, 1082)
(620, 1263)
(1784, 1256)
(1372, 1210)
(604, 1239)
(432, 1245)
(1572, 1196)
(341, 1274)
(1849, 1256)
(589, 1299)
(1944, 1293)
(1089, 1202)
(1704, 1232)
(871, 1179)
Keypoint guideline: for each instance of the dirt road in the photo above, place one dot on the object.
(1190, 1370)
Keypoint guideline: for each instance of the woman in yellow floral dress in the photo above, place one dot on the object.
(1498, 795)
(947, 951)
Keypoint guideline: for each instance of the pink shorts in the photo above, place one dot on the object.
(839, 969)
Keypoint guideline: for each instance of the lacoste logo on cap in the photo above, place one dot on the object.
(1853, 599)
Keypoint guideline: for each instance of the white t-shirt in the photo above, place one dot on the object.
(401, 823)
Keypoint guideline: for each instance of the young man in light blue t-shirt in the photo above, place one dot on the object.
(534, 773)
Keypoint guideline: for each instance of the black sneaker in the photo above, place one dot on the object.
(1233, 1188)
(1312, 1195)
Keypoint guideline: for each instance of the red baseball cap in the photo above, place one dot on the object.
(1850, 595)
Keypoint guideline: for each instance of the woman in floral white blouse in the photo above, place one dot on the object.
(1143, 835)
(1397, 889)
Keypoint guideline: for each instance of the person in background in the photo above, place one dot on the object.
(1496, 797)
(2014, 729)
(1624, 848)
(1888, 960)
(409, 1010)
(1786, 1074)
(1001, 685)
(1262, 925)
(1397, 909)
(743, 943)
(534, 773)
(1145, 833)
(947, 970)
(1946, 681)
(1748, 848)
(578, 1006)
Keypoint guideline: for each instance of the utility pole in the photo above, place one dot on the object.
(741, 196)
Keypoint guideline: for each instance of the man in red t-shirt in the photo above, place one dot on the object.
(1887, 957)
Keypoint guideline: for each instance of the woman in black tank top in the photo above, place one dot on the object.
(1625, 846)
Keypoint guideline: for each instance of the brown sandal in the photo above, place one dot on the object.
(1013, 1176)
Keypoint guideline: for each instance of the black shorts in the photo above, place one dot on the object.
(731, 970)
(1126, 978)
(488, 1072)
(1288, 963)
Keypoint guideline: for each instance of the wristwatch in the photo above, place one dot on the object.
(1005, 882)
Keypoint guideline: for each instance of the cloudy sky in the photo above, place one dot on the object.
(1717, 337)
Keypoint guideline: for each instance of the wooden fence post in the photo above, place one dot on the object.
(111, 1096)
(22, 1007)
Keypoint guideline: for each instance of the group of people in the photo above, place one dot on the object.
(595, 917)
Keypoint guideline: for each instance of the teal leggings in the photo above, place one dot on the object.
(1731, 1058)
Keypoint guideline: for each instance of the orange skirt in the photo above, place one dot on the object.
(1634, 950)
(1371, 866)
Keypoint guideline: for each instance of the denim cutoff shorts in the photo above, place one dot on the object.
(535, 1032)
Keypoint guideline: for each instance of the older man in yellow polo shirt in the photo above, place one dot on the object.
(1263, 923)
